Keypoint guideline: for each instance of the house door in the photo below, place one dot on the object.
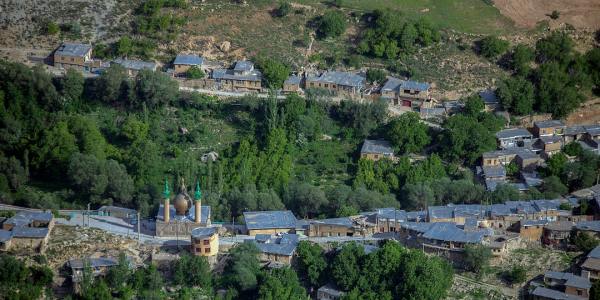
(406, 103)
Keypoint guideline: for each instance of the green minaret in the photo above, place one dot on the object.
(166, 191)
(198, 192)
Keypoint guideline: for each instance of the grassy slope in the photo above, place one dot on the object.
(469, 16)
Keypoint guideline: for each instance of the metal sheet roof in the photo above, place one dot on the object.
(284, 245)
(188, 59)
(230, 75)
(73, 49)
(552, 139)
(494, 171)
(553, 294)
(29, 232)
(345, 221)
(243, 65)
(293, 79)
(513, 133)
(377, 147)
(24, 218)
(204, 231)
(595, 253)
(341, 78)
(94, 262)
(269, 219)
(488, 96)
(136, 64)
(5, 235)
(549, 124)
(588, 226)
(450, 233)
(576, 129)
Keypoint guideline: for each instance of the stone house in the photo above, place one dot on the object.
(292, 84)
(329, 292)
(405, 93)
(279, 249)
(568, 283)
(550, 145)
(243, 77)
(532, 230)
(72, 55)
(337, 82)
(183, 62)
(590, 268)
(549, 128)
(376, 150)
(133, 67)
(513, 137)
(345, 226)
(26, 231)
(557, 234)
(269, 222)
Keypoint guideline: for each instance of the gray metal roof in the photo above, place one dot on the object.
(5, 235)
(569, 279)
(498, 153)
(284, 245)
(94, 262)
(513, 133)
(395, 84)
(560, 226)
(392, 84)
(527, 154)
(293, 79)
(188, 59)
(24, 218)
(592, 130)
(549, 124)
(527, 223)
(488, 96)
(230, 75)
(331, 289)
(546, 205)
(344, 221)
(73, 49)
(391, 213)
(341, 78)
(201, 232)
(576, 129)
(450, 233)
(546, 293)
(552, 139)
(595, 253)
(588, 226)
(243, 65)
(205, 214)
(269, 219)
(420, 227)
(494, 171)
(29, 232)
(136, 64)
(377, 147)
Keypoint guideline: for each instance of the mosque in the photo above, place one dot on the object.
(182, 217)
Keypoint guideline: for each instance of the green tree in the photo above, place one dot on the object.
(556, 93)
(521, 58)
(517, 275)
(593, 61)
(305, 199)
(71, 86)
(155, 88)
(332, 24)
(108, 87)
(491, 47)
(555, 47)
(553, 187)
(474, 105)
(124, 46)
(516, 94)
(281, 284)
(418, 196)
(408, 37)
(118, 276)
(465, 138)
(283, 9)
(274, 72)
(584, 241)
(477, 258)
(407, 133)
(375, 75)
(243, 268)
(345, 267)
(595, 290)
(193, 271)
(52, 28)
(423, 277)
(194, 73)
(311, 262)
(56, 148)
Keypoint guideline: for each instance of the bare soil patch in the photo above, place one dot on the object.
(583, 14)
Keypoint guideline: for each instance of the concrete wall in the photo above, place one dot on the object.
(273, 231)
(330, 230)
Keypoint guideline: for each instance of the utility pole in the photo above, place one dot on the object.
(138, 225)
(88, 213)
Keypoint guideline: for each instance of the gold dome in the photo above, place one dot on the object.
(181, 204)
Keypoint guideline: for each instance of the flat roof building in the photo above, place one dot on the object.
(269, 222)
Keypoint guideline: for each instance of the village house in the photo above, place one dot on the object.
(183, 62)
(276, 249)
(99, 267)
(376, 150)
(490, 101)
(329, 292)
(455, 213)
(26, 231)
(497, 157)
(133, 67)
(567, 283)
(405, 93)
(590, 227)
(243, 77)
(292, 84)
(205, 241)
(528, 160)
(338, 82)
(549, 145)
(556, 234)
(513, 137)
(532, 230)
(269, 222)
(590, 268)
(387, 219)
(345, 226)
(574, 133)
(549, 128)
(72, 55)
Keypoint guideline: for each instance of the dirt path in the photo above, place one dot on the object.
(527, 13)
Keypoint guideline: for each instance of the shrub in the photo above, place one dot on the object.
(195, 73)
(331, 24)
(283, 9)
(555, 15)
(491, 47)
(375, 75)
(52, 28)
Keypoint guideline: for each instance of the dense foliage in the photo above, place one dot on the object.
(19, 281)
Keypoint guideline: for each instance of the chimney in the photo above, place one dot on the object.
(198, 204)
(167, 207)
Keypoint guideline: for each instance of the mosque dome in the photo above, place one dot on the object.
(182, 201)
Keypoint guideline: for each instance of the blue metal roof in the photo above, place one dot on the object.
(377, 147)
(270, 219)
(527, 223)
(5, 235)
(513, 133)
(450, 233)
(595, 253)
(414, 85)
(29, 232)
(94, 262)
(188, 59)
(218, 74)
(545, 205)
(392, 84)
(549, 123)
(592, 130)
(72, 49)
(284, 245)
(588, 226)
(243, 65)
(293, 79)
(488, 96)
(546, 293)
(345, 221)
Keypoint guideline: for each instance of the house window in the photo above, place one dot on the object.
(407, 91)
(72, 59)
(206, 250)
(579, 292)
(376, 156)
(326, 85)
(205, 242)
